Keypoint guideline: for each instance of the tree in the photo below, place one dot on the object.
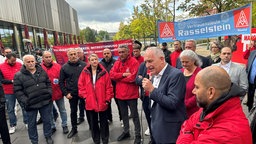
(254, 14)
(124, 32)
(206, 7)
(88, 34)
(102, 36)
(144, 19)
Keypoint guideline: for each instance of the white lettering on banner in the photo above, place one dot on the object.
(203, 24)
(167, 32)
(204, 30)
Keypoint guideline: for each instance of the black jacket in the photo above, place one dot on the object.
(69, 75)
(32, 90)
(108, 66)
(167, 56)
(143, 72)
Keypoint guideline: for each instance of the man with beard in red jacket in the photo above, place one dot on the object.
(7, 71)
(221, 118)
(53, 71)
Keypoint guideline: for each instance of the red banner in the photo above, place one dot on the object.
(242, 45)
(60, 52)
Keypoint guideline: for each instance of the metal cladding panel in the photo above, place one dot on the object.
(23, 11)
(49, 16)
(55, 15)
(40, 12)
(64, 15)
(67, 20)
(32, 12)
(10, 11)
(76, 22)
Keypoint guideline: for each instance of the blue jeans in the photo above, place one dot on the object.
(63, 114)
(32, 128)
(10, 103)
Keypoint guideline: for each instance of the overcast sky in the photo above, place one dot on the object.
(103, 14)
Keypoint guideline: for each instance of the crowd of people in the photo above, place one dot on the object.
(187, 98)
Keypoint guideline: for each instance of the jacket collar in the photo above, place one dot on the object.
(235, 91)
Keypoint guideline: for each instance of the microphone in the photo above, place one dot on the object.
(147, 76)
(145, 92)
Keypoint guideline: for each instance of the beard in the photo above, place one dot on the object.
(202, 104)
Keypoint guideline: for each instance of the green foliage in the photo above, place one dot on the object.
(91, 35)
(102, 36)
(204, 7)
(143, 25)
(254, 14)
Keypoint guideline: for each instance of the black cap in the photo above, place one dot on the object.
(164, 44)
(37, 49)
(137, 42)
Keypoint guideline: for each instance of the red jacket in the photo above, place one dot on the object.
(174, 56)
(53, 73)
(140, 59)
(126, 89)
(8, 73)
(98, 96)
(247, 52)
(227, 124)
(190, 98)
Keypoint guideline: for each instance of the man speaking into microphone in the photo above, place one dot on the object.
(167, 92)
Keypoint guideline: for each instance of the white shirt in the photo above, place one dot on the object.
(226, 67)
(94, 79)
(157, 79)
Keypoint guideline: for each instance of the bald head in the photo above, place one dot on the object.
(211, 83)
(47, 58)
(215, 76)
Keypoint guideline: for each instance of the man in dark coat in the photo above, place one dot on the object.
(68, 82)
(108, 62)
(33, 90)
(3, 126)
(167, 92)
(251, 70)
(166, 52)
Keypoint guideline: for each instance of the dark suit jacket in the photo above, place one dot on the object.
(206, 62)
(250, 62)
(168, 110)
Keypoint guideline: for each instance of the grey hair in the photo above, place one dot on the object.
(124, 46)
(218, 44)
(26, 56)
(71, 49)
(157, 51)
(193, 56)
(193, 41)
(79, 49)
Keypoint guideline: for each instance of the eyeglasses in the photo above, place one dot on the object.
(214, 47)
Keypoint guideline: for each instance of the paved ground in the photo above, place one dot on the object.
(83, 136)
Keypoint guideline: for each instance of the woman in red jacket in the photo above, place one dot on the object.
(191, 66)
(95, 87)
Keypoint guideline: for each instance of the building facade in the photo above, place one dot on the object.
(29, 24)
